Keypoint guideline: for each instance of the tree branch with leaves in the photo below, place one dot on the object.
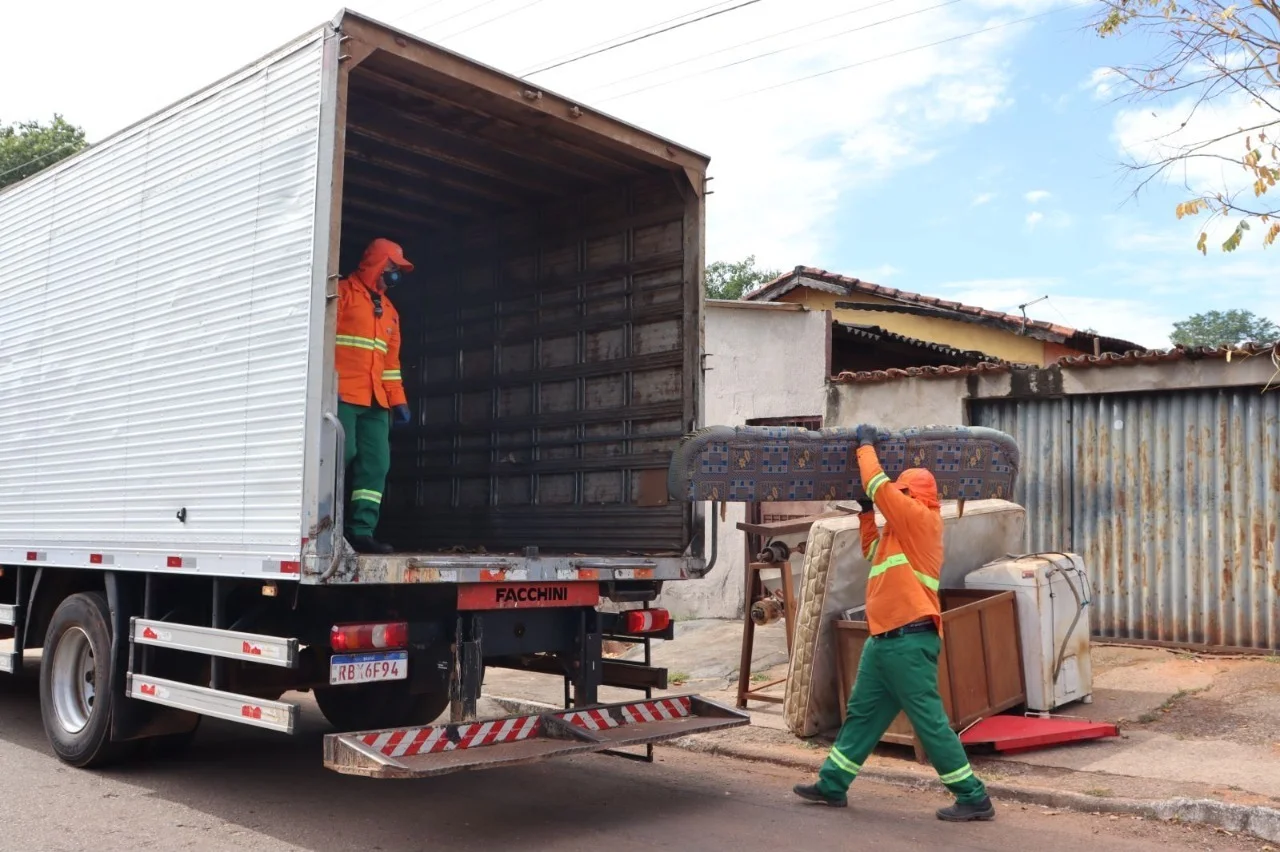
(1224, 328)
(29, 147)
(1212, 54)
(734, 280)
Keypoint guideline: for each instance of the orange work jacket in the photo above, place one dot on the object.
(906, 556)
(368, 346)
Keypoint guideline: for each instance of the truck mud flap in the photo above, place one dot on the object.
(442, 749)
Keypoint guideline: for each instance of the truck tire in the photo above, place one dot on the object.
(371, 706)
(76, 682)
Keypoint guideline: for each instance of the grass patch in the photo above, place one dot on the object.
(1099, 792)
(1169, 703)
(678, 678)
(759, 677)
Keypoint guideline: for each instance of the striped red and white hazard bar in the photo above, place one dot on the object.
(431, 740)
(441, 738)
(629, 714)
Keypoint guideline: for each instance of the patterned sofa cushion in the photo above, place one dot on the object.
(746, 464)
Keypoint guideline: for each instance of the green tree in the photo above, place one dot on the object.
(1211, 55)
(1221, 328)
(734, 280)
(29, 146)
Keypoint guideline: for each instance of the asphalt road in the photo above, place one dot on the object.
(241, 789)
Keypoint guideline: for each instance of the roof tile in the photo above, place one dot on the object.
(1107, 359)
(774, 288)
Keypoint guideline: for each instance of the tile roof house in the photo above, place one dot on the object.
(930, 321)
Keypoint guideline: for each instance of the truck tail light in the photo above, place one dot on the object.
(645, 620)
(368, 637)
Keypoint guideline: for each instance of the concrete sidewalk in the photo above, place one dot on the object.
(1200, 736)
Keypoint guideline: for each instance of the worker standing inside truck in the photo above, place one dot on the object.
(899, 664)
(371, 393)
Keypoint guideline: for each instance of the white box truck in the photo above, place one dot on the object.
(171, 483)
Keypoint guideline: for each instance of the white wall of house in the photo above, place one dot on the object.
(762, 360)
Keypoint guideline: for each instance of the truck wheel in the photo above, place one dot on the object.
(371, 706)
(76, 681)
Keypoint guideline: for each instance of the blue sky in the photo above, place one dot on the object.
(984, 170)
(1034, 201)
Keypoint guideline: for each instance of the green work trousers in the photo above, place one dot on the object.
(899, 673)
(368, 458)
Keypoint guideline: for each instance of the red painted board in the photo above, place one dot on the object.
(479, 596)
(1011, 734)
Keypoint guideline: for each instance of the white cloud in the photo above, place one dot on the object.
(982, 198)
(1104, 82)
(1035, 196)
(883, 272)
(785, 160)
(1178, 237)
(1127, 318)
(1056, 219)
(1146, 135)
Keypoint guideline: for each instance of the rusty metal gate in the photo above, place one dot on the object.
(1171, 497)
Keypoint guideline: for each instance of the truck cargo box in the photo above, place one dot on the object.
(167, 382)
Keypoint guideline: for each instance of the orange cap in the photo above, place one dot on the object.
(389, 250)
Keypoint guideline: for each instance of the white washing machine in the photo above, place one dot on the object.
(1053, 594)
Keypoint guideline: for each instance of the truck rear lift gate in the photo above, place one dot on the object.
(442, 749)
(216, 643)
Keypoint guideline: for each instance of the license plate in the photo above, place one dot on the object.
(346, 669)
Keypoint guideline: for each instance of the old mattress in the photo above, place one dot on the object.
(834, 579)
(747, 464)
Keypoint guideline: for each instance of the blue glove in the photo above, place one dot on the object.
(865, 435)
(401, 415)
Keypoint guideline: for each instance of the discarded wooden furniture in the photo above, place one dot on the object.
(757, 533)
(979, 669)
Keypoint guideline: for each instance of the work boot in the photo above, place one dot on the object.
(978, 811)
(810, 793)
(369, 544)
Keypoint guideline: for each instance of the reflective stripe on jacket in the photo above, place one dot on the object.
(368, 346)
(906, 556)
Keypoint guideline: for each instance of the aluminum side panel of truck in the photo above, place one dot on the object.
(156, 343)
(166, 349)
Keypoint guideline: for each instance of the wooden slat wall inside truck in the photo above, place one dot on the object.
(545, 357)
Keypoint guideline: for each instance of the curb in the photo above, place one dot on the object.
(1253, 820)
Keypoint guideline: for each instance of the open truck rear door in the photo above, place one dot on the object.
(442, 749)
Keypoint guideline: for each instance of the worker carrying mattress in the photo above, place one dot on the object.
(746, 464)
(749, 464)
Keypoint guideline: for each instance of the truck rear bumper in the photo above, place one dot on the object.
(442, 749)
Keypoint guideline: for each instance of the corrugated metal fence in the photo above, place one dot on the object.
(1171, 497)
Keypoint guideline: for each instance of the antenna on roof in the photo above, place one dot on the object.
(1024, 307)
